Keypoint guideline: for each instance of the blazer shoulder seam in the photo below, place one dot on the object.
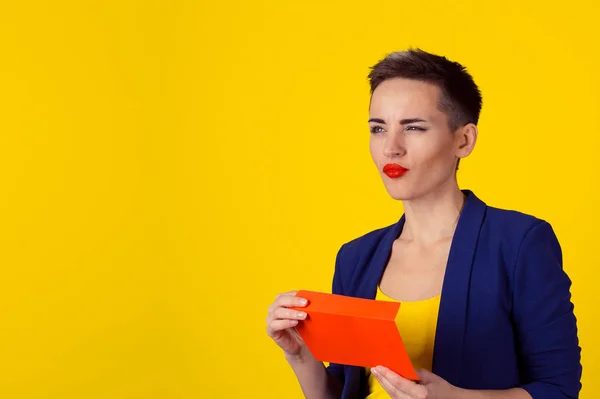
(530, 231)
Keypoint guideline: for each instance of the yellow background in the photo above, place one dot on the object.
(167, 167)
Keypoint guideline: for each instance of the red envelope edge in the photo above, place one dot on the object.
(354, 331)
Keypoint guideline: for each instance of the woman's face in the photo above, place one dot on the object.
(412, 137)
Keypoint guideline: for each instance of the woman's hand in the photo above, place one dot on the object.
(281, 323)
(431, 386)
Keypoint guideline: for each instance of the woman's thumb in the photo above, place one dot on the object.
(426, 376)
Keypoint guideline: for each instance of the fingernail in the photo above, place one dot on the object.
(303, 301)
(374, 371)
(301, 315)
(293, 322)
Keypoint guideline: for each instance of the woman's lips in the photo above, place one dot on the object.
(394, 170)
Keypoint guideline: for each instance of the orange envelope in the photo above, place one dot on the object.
(354, 331)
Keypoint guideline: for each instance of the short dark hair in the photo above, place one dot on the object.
(460, 96)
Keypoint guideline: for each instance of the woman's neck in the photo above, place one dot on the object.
(433, 217)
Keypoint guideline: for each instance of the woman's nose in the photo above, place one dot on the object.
(394, 146)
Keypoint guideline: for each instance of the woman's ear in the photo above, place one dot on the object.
(465, 138)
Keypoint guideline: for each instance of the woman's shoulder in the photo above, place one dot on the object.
(517, 234)
(504, 222)
(511, 223)
(501, 229)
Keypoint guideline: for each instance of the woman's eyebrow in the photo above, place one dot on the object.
(402, 121)
(411, 120)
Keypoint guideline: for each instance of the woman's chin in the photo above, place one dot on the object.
(399, 193)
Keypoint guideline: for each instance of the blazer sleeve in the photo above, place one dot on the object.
(337, 288)
(549, 351)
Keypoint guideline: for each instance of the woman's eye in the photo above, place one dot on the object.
(376, 129)
(417, 128)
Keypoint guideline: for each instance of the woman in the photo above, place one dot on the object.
(494, 314)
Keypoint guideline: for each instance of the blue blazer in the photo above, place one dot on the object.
(506, 319)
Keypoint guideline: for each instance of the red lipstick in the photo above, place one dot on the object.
(394, 170)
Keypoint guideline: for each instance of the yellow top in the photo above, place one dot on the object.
(417, 322)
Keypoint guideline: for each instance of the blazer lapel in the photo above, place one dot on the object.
(453, 305)
(367, 287)
(452, 315)
(357, 387)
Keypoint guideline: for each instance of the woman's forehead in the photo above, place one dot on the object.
(400, 96)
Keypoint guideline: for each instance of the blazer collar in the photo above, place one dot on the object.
(449, 339)
(453, 305)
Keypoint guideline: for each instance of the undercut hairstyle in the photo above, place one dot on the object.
(460, 97)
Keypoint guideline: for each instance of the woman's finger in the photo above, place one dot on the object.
(399, 384)
(286, 293)
(284, 313)
(392, 390)
(278, 325)
(287, 301)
